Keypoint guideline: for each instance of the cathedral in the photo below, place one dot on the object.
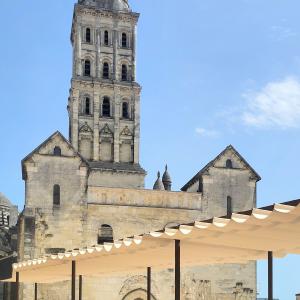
(89, 188)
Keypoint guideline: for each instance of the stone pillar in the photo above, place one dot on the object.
(136, 138)
(77, 55)
(96, 125)
(98, 53)
(75, 124)
(115, 58)
(117, 126)
(133, 43)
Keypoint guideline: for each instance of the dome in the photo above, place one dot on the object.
(4, 201)
(119, 5)
(166, 177)
(158, 185)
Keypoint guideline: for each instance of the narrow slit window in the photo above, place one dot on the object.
(87, 68)
(106, 107)
(124, 73)
(106, 38)
(56, 194)
(105, 70)
(125, 111)
(88, 35)
(124, 40)
(87, 108)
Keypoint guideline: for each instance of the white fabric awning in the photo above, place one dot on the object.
(244, 237)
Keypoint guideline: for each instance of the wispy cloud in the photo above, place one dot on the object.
(277, 105)
(207, 132)
(282, 32)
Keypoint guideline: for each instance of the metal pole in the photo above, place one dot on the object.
(148, 283)
(177, 269)
(73, 280)
(80, 287)
(35, 291)
(17, 285)
(270, 275)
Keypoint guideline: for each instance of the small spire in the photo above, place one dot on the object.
(166, 179)
(158, 185)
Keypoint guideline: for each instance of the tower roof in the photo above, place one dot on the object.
(166, 176)
(158, 185)
(118, 5)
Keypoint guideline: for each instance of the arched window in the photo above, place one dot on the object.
(88, 35)
(57, 151)
(87, 107)
(105, 234)
(124, 40)
(87, 67)
(106, 39)
(106, 107)
(105, 70)
(229, 207)
(125, 111)
(56, 194)
(124, 73)
(229, 164)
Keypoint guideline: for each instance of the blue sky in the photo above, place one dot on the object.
(213, 73)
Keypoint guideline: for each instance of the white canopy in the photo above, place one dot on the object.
(241, 238)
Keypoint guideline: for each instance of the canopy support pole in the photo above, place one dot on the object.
(73, 280)
(35, 291)
(270, 275)
(80, 287)
(148, 283)
(17, 285)
(177, 269)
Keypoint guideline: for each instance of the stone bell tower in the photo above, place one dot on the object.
(104, 102)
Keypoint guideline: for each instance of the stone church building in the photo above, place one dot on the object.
(89, 188)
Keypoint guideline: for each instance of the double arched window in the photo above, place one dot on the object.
(106, 70)
(125, 110)
(106, 38)
(106, 107)
(87, 67)
(88, 35)
(124, 40)
(57, 151)
(124, 75)
(87, 106)
(56, 195)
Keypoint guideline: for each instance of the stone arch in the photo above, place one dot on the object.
(138, 294)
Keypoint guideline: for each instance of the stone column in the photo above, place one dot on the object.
(77, 55)
(117, 125)
(75, 121)
(133, 43)
(98, 53)
(96, 125)
(115, 58)
(136, 116)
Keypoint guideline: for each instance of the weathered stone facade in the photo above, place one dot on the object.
(91, 188)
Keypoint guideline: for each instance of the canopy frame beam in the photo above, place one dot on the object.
(270, 275)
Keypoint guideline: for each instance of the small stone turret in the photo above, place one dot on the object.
(166, 179)
(158, 185)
